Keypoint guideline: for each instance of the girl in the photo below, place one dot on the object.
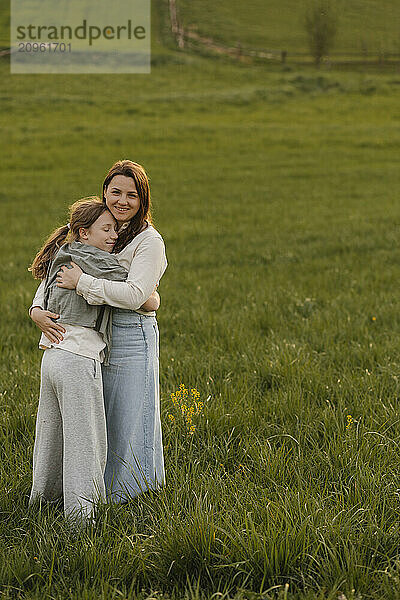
(135, 460)
(70, 446)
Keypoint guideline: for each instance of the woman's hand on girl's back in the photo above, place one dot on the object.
(44, 320)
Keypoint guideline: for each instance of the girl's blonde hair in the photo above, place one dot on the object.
(82, 213)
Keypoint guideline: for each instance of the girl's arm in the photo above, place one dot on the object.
(152, 303)
(44, 318)
(39, 297)
(148, 265)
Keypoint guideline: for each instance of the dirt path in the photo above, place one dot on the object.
(191, 39)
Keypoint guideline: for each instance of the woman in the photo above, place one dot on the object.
(135, 459)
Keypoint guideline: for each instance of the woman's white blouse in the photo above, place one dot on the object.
(145, 260)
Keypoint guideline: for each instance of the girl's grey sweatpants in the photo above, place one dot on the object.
(70, 450)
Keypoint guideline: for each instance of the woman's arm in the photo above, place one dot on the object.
(44, 318)
(148, 265)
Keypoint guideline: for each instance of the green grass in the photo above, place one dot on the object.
(4, 25)
(373, 24)
(276, 191)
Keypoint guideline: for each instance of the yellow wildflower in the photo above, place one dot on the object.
(186, 404)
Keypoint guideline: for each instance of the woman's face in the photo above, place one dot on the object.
(122, 198)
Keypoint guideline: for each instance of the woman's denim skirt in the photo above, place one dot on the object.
(135, 460)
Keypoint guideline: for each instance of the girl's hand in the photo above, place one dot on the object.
(68, 278)
(43, 319)
(152, 303)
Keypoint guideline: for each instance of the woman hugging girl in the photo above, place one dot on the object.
(70, 449)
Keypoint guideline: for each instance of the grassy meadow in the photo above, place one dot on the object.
(276, 191)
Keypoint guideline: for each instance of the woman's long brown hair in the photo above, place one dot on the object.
(82, 213)
(131, 169)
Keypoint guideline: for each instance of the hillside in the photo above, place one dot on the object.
(371, 25)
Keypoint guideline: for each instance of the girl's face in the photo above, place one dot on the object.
(122, 198)
(102, 234)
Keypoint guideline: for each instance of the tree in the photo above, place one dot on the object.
(321, 26)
